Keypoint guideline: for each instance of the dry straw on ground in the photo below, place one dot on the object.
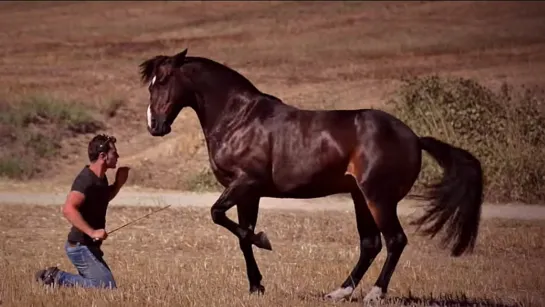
(180, 258)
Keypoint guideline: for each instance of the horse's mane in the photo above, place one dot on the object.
(148, 67)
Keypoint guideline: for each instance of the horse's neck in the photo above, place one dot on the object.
(218, 104)
(212, 85)
(207, 113)
(215, 110)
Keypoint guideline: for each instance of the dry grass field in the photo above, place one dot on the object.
(179, 257)
(313, 55)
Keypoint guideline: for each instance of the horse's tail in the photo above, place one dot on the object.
(455, 200)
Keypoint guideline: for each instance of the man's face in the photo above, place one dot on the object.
(110, 158)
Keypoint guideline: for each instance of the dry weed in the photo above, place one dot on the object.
(503, 128)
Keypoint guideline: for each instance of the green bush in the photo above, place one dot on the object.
(505, 129)
(14, 167)
(31, 131)
(39, 110)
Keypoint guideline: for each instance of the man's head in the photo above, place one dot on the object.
(102, 150)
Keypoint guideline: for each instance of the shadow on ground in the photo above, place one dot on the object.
(446, 300)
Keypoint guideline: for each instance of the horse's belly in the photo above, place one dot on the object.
(309, 179)
(316, 188)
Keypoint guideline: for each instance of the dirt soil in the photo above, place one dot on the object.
(312, 55)
(336, 203)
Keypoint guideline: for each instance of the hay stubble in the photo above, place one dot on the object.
(179, 257)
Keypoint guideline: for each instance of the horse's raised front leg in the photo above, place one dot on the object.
(225, 202)
(247, 210)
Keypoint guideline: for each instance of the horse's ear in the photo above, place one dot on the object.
(179, 58)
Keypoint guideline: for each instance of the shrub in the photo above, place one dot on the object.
(504, 129)
(40, 110)
(31, 131)
(14, 167)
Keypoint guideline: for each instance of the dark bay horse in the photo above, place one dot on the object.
(258, 146)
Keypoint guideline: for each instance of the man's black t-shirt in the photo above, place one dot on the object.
(93, 209)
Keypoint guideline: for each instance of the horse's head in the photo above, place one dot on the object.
(167, 95)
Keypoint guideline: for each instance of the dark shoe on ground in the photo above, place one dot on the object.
(47, 276)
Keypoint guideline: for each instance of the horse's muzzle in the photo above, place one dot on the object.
(159, 127)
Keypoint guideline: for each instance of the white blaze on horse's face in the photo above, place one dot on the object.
(149, 116)
(149, 106)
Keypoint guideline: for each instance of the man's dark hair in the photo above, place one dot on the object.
(99, 143)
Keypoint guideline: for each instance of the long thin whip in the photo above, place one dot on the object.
(153, 212)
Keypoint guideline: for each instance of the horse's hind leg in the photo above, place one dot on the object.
(385, 216)
(376, 203)
(247, 216)
(370, 246)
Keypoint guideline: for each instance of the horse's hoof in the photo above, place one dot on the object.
(339, 294)
(257, 289)
(375, 295)
(260, 240)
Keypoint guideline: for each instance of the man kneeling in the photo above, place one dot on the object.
(85, 208)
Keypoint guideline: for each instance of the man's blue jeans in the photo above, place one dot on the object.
(93, 270)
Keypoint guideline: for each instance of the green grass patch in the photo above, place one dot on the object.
(204, 181)
(32, 129)
(505, 129)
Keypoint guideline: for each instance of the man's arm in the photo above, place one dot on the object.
(71, 212)
(120, 178)
(114, 189)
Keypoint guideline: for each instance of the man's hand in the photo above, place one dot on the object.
(122, 175)
(99, 234)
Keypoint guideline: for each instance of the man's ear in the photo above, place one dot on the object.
(178, 59)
